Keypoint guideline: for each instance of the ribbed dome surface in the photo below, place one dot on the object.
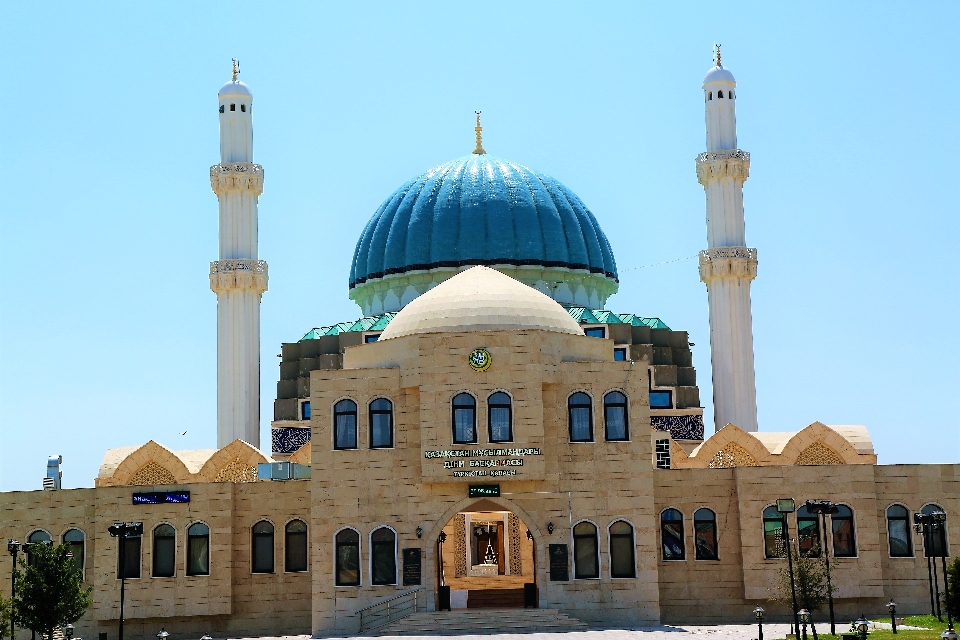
(481, 210)
(481, 299)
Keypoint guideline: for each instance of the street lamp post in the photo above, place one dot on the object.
(940, 523)
(14, 548)
(892, 608)
(861, 625)
(785, 506)
(804, 616)
(124, 530)
(822, 508)
(921, 527)
(163, 635)
(68, 631)
(758, 612)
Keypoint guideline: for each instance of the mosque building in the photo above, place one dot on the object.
(486, 436)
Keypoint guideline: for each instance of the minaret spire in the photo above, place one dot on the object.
(238, 278)
(727, 266)
(479, 150)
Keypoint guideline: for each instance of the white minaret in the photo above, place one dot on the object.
(238, 277)
(727, 266)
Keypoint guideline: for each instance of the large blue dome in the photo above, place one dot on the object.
(481, 210)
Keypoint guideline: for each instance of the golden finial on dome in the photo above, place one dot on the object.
(479, 150)
(236, 69)
(717, 49)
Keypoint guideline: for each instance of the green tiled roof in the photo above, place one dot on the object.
(580, 314)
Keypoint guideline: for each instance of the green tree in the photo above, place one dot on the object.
(50, 590)
(6, 611)
(953, 579)
(810, 578)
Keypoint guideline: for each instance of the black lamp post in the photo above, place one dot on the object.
(758, 613)
(163, 635)
(940, 524)
(822, 508)
(892, 608)
(14, 548)
(124, 530)
(804, 616)
(922, 524)
(68, 631)
(785, 506)
(861, 625)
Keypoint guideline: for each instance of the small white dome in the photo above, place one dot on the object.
(718, 74)
(480, 299)
(234, 88)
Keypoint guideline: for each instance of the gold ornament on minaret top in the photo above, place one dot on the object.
(236, 69)
(717, 50)
(479, 150)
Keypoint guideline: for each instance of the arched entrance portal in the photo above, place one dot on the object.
(488, 558)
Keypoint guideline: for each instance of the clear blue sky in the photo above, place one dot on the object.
(109, 125)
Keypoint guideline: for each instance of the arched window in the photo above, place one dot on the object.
(243, 108)
(844, 536)
(345, 425)
(198, 550)
(898, 532)
(381, 423)
(671, 535)
(500, 417)
(38, 536)
(615, 416)
(221, 108)
(586, 560)
(464, 419)
(348, 558)
(164, 551)
(383, 556)
(705, 534)
(808, 532)
(710, 96)
(233, 107)
(936, 545)
(622, 563)
(75, 538)
(773, 543)
(730, 94)
(263, 547)
(719, 94)
(295, 546)
(129, 550)
(581, 418)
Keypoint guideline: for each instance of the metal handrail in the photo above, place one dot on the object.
(370, 619)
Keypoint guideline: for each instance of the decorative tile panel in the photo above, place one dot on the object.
(289, 439)
(516, 567)
(679, 427)
(460, 545)
(663, 453)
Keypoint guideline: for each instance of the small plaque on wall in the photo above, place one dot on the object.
(411, 566)
(559, 564)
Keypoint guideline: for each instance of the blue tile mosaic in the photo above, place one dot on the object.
(680, 427)
(289, 439)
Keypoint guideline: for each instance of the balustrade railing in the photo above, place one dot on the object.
(390, 610)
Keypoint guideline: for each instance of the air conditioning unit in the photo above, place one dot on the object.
(282, 471)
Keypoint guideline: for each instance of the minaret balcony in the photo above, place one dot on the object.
(732, 163)
(236, 176)
(238, 274)
(728, 262)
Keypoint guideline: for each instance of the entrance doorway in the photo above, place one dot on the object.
(488, 559)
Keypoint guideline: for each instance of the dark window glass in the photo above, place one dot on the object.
(305, 410)
(622, 564)
(585, 559)
(164, 551)
(295, 549)
(808, 532)
(198, 550)
(36, 536)
(730, 94)
(75, 538)
(243, 108)
(719, 94)
(345, 425)
(620, 354)
(671, 534)
(844, 536)
(710, 96)
(131, 557)
(500, 417)
(348, 558)
(615, 416)
(233, 107)
(595, 332)
(464, 418)
(661, 399)
(371, 338)
(773, 542)
(263, 547)
(381, 423)
(934, 546)
(898, 532)
(221, 108)
(581, 429)
(383, 552)
(705, 532)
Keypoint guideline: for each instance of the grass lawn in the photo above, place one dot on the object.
(930, 622)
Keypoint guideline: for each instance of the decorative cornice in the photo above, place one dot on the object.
(728, 262)
(238, 274)
(733, 163)
(236, 176)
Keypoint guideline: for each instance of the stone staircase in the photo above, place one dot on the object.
(482, 622)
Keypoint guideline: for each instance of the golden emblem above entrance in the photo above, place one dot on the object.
(480, 359)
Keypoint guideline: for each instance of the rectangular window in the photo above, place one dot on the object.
(844, 545)
(595, 332)
(305, 410)
(620, 354)
(661, 399)
(663, 454)
(373, 337)
(131, 558)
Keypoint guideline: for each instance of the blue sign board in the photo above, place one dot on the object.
(161, 497)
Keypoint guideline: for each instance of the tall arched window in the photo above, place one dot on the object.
(75, 538)
(898, 532)
(719, 94)
(345, 425)
(808, 532)
(622, 563)
(844, 536)
(348, 558)
(581, 418)
(295, 546)
(671, 535)
(381, 424)
(383, 556)
(586, 560)
(705, 534)
(936, 545)
(615, 416)
(263, 547)
(500, 417)
(198, 550)
(37, 537)
(164, 551)
(464, 419)
(129, 550)
(773, 542)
